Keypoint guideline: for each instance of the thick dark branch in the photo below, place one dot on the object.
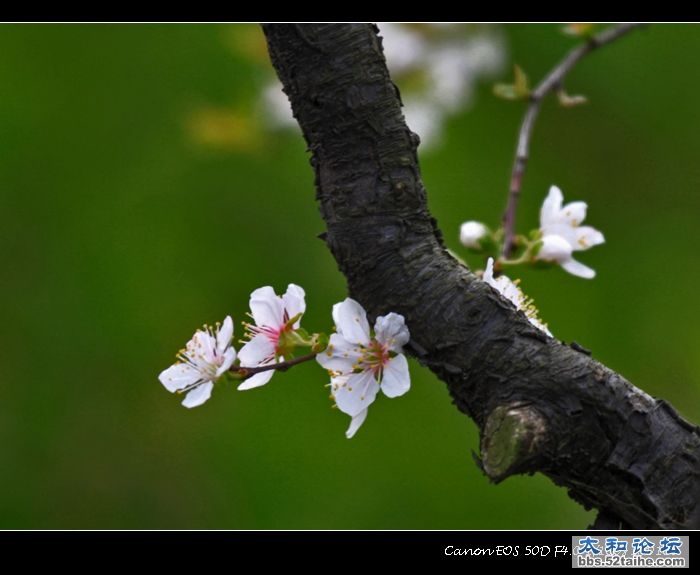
(540, 405)
(552, 81)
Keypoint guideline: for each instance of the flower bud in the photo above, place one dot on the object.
(471, 233)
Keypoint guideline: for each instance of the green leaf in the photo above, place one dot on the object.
(535, 234)
(536, 248)
(505, 91)
(319, 342)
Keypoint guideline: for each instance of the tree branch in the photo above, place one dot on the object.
(539, 404)
(551, 81)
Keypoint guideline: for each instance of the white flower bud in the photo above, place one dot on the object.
(471, 233)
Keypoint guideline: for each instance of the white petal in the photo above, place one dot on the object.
(341, 356)
(587, 237)
(223, 338)
(356, 423)
(578, 269)
(266, 307)
(562, 230)
(229, 358)
(294, 302)
(551, 207)
(395, 379)
(351, 321)
(339, 365)
(504, 285)
(338, 381)
(554, 249)
(357, 394)
(509, 290)
(256, 380)
(179, 376)
(391, 331)
(258, 350)
(198, 395)
(488, 272)
(204, 346)
(574, 213)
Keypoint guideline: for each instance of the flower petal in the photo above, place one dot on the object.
(551, 207)
(179, 376)
(587, 237)
(351, 321)
(203, 345)
(574, 213)
(256, 380)
(338, 381)
(578, 269)
(391, 331)
(266, 307)
(257, 351)
(223, 337)
(564, 231)
(340, 356)
(554, 249)
(357, 393)
(198, 395)
(509, 290)
(488, 272)
(356, 423)
(396, 379)
(294, 302)
(503, 285)
(229, 358)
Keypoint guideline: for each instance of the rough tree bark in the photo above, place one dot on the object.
(540, 405)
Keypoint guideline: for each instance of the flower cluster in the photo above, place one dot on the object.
(360, 361)
(559, 235)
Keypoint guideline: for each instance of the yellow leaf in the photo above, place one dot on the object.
(521, 83)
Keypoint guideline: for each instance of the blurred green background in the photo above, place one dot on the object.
(141, 196)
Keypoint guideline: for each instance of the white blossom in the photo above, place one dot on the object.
(272, 315)
(471, 233)
(361, 364)
(509, 289)
(207, 356)
(563, 234)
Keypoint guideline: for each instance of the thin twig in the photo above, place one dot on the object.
(246, 372)
(281, 366)
(551, 81)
